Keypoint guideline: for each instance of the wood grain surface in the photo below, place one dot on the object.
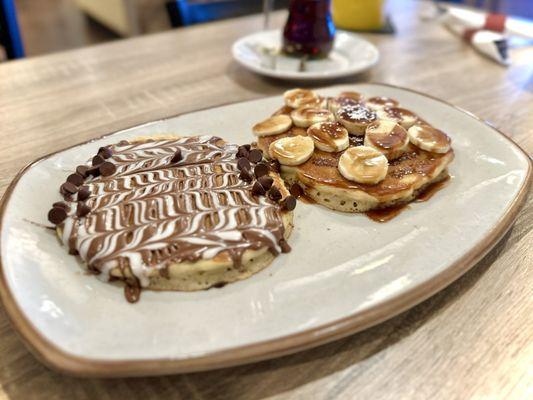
(472, 340)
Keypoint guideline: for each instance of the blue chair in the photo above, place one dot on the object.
(10, 37)
(189, 12)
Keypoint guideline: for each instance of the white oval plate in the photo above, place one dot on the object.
(350, 55)
(345, 272)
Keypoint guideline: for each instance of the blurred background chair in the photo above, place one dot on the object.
(129, 17)
(10, 38)
(189, 12)
(123, 17)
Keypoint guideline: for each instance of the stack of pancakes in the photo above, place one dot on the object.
(364, 154)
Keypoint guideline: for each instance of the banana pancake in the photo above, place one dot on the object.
(173, 213)
(397, 155)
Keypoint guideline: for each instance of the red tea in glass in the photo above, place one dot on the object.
(309, 30)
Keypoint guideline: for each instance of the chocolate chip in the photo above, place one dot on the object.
(75, 179)
(68, 188)
(255, 155)
(243, 163)
(97, 160)
(266, 181)
(177, 157)
(274, 194)
(132, 292)
(82, 210)
(83, 193)
(82, 170)
(242, 151)
(246, 175)
(57, 215)
(105, 152)
(107, 168)
(258, 189)
(93, 171)
(61, 204)
(274, 166)
(285, 248)
(288, 203)
(123, 143)
(247, 146)
(296, 190)
(261, 169)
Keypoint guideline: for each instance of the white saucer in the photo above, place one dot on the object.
(350, 55)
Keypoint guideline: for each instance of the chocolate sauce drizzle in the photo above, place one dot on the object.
(156, 209)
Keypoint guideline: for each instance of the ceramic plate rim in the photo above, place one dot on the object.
(59, 360)
(299, 76)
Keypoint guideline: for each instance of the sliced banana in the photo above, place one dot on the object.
(329, 136)
(273, 125)
(336, 103)
(352, 95)
(356, 118)
(292, 150)
(305, 117)
(318, 102)
(295, 98)
(430, 139)
(387, 137)
(401, 116)
(363, 164)
(378, 103)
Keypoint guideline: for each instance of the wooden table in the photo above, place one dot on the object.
(473, 339)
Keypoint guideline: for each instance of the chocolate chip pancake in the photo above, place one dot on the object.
(174, 213)
(392, 167)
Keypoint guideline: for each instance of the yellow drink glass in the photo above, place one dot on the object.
(358, 14)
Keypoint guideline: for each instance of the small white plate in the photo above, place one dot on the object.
(350, 55)
(345, 272)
